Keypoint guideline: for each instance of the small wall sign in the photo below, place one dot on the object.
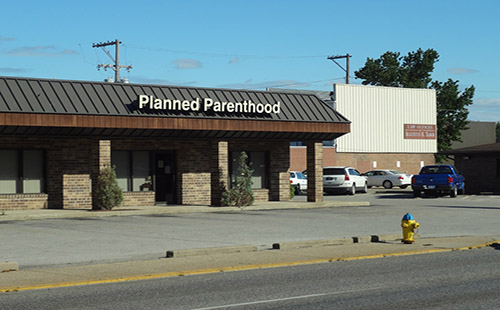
(419, 131)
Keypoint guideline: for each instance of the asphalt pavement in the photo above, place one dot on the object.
(220, 259)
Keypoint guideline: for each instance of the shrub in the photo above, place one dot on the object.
(108, 194)
(241, 193)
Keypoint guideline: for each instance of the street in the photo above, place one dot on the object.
(55, 242)
(453, 280)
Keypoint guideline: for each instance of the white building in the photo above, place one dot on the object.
(391, 128)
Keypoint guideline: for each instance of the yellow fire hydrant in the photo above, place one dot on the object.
(409, 225)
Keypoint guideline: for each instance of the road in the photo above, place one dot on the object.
(39, 243)
(453, 280)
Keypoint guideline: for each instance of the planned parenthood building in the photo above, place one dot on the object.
(169, 145)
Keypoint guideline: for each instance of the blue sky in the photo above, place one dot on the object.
(252, 44)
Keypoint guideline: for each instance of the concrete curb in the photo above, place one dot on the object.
(279, 246)
(210, 251)
(342, 241)
(9, 266)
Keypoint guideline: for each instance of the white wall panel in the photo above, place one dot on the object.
(378, 115)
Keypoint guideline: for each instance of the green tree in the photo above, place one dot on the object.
(452, 113)
(414, 71)
(241, 193)
(108, 193)
(498, 130)
(391, 69)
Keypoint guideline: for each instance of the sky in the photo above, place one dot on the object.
(251, 44)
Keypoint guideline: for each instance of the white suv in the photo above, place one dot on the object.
(299, 181)
(343, 179)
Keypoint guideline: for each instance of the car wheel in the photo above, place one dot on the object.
(462, 190)
(453, 192)
(387, 184)
(352, 190)
(403, 186)
(297, 189)
(365, 188)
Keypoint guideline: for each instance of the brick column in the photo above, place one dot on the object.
(68, 174)
(279, 170)
(100, 158)
(219, 171)
(314, 171)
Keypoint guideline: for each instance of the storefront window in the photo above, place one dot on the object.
(8, 172)
(259, 165)
(21, 172)
(140, 171)
(133, 170)
(120, 160)
(33, 171)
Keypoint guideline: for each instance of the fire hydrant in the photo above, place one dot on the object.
(409, 225)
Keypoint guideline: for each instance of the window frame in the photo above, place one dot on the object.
(130, 168)
(266, 161)
(20, 178)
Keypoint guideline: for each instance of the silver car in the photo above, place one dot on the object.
(387, 178)
(343, 179)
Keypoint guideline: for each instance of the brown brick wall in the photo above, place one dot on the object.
(314, 171)
(72, 165)
(279, 163)
(67, 173)
(480, 173)
(193, 161)
(23, 201)
(136, 199)
(100, 153)
(261, 194)
(220, 170)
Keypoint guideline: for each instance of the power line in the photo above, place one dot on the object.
(311, 82)
(346, 56)
(116, 60)
(223, 55)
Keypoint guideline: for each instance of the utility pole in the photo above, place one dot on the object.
(346, 56)
(116, 60)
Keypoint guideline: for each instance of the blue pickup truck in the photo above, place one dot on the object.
(436, 179)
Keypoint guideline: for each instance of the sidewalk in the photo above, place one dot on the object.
(21, 215)
(203, 261)
(220, 259)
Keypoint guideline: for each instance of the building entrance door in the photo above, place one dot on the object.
(165, 177)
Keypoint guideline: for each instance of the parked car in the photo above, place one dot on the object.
(343, 179)
(435, 179)
(299, 181)
(387, 178)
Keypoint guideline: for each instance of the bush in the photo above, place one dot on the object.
(292, 191)
(108, 194)
(241, 193)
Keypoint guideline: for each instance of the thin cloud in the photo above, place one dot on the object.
(12, 70)
(461, 71)
(2, 38)
(487, 102)
(147, 80)
(263, 85)
(39, 51)
(186, 63)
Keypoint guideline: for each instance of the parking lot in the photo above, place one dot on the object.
(84, 240)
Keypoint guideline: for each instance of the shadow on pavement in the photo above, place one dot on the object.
(496, 246)
(466, 207)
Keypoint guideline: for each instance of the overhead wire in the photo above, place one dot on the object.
(156, 49)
